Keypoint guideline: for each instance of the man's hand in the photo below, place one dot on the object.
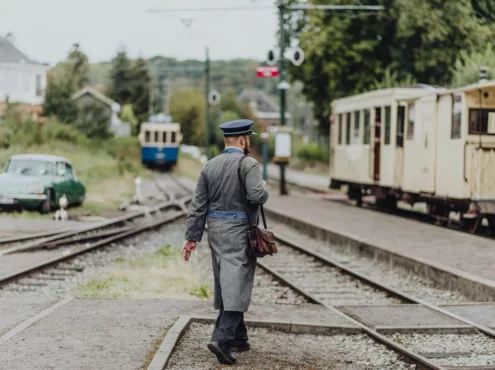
(187, 249)
(264, 184)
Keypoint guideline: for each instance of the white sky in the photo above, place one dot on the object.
(46, 29)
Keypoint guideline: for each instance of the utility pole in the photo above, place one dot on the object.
(281, 7)
(207, 91)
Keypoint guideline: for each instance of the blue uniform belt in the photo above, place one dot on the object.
(225, 215)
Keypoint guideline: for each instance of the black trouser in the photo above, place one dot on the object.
(230, 329)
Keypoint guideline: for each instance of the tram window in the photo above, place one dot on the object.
(410, 121)
(156, 137)
(357, 122)
(482, 123)
(172, 140)
(400, 125)
(164, 136)
(147, 137)
(455, 128)
(366, 138)
(340, 128)
(387, 125)
(348, 129)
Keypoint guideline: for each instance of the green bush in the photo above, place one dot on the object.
(311, 152)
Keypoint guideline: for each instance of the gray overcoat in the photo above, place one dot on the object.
(218, 189)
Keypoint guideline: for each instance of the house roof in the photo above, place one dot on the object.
(9, 53)
(98, 95)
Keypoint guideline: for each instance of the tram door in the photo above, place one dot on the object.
(377, 144)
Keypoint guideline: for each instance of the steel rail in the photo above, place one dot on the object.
(384, 287)
(14, 239)
(373, 333)
(55, 260)
(76, 231)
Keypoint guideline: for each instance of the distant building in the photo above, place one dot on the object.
(90, 97)
(22, 80)
(266, 111)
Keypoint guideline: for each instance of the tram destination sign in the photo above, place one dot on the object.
(267, 71)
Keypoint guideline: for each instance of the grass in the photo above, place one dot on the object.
(162, 274)
(188, 167)
(107, 168)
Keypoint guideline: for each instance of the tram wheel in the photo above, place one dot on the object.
(471, 225)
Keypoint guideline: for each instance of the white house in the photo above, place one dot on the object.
(22, 80)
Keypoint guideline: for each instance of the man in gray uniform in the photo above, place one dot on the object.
(219, 198)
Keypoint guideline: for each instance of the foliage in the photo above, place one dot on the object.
(467, 68)
(127, 115)
(391, 79)
(187, 107)
(121, 79)
(141, 83)
(311, 152)
(77, 68)
(348, 53)
(93, 120)
(58, 101)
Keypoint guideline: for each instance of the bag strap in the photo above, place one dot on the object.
(245, 196)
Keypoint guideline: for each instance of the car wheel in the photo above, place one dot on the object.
(46, 206)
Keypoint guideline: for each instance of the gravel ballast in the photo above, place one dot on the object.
(393, 276)
(276, 350)
(465, 349)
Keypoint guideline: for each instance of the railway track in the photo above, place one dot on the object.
(330, 283)
(81, 240)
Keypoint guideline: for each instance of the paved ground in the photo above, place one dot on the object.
(318, 182)
(17, 226)
(443, 247)
(115, 334)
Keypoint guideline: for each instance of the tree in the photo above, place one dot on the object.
(93, 120)
(121, 79)
(141, 82)
(77, 72)
(127, 115)
(187, 107)
(347, 53)
(467, 68)
(58, 101)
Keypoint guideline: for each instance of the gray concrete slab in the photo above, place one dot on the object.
(480, 313)
(399, 316)
(122, 334)
(10, 226)
(16, 309)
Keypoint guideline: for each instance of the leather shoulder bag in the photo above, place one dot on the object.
(260, 242)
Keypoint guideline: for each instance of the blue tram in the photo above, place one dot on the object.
(160, 143)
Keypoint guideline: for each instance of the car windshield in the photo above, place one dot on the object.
(30, 167)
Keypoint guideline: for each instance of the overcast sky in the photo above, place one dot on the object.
(46, 29)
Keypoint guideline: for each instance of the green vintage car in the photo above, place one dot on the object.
(37, 181)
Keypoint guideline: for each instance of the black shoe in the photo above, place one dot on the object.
(223, 354)
(241, 347)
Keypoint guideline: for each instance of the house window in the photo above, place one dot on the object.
(348, 129)
(482, 121)
(340, 128)
(455, 131)
(147, 137)
(366, 138)
(410, 121)
(174, 134)
(39, 90)
(388, 117)
(357, 121)
(401, 111)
